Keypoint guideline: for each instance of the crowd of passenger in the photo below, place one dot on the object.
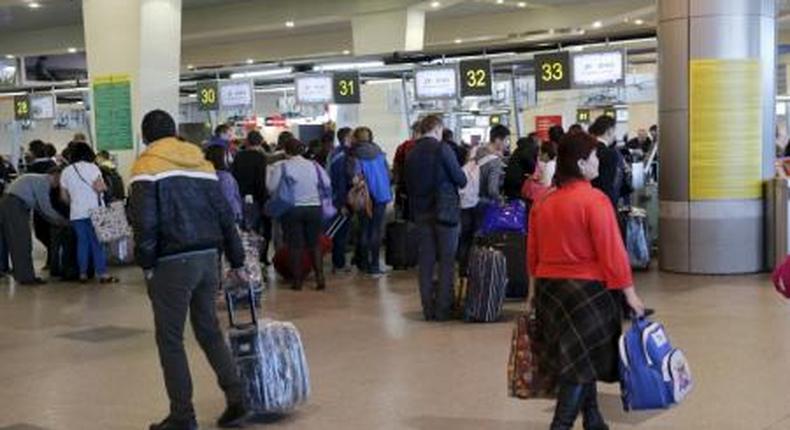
(289, 193)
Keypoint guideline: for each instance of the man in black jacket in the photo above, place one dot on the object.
(249, 169)
(181, 220)
(432, 172)
(612, 169)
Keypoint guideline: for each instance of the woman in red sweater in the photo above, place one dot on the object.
(576, 254)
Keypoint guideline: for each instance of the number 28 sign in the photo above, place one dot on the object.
(552, 71)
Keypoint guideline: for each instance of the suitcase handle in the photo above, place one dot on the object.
(231, 302)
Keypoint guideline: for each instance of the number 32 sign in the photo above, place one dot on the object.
(475, 78)
(552, 71)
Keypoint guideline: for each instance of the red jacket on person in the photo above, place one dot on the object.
(573, 234)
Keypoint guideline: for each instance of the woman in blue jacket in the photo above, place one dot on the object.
(369, 161)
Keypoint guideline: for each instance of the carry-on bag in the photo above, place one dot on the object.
(637, 237)
(487, 284)
(653, 374)
(401, 244)
(508, 217)
(514, 246)
(120, 252)
(526, 378)
(271, 361)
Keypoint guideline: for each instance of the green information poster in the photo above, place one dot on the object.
(112, 102)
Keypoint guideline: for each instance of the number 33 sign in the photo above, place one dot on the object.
(552, 71)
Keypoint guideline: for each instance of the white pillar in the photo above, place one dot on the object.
(386, 32)
(140, 39)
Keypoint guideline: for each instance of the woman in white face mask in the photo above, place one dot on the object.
(577, 257)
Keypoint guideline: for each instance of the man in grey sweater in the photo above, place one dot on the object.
(492, 166)
(27, 193)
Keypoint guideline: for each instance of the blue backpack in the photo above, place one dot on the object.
(653, 374)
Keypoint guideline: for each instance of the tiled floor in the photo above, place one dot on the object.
(83, 358)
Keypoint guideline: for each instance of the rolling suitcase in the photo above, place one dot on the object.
(514, 246)
(270, 359)
(485, 293)
(401, 245)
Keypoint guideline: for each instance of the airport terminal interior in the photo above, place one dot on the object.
(368, 181)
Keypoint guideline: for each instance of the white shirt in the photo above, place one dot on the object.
(78, 180)
(306, 179)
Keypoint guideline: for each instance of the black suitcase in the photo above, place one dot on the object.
(514, 247)
(485, 293)
(401, 245)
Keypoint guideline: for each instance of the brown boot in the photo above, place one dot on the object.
(318, 268)
(297, 271)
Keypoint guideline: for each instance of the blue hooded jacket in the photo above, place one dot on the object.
(370, 160)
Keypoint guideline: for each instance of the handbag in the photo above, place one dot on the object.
(283, 199)
(110, 222)
(359, 196)
(526, 378)
(448, 201)
(508, 217)
(328, 208)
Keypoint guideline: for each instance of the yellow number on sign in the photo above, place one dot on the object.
(346, 88)
(22, 108)
(476, 78)
(552, 72)
(208, 96)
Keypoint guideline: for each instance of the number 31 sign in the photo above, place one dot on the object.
(552, 72)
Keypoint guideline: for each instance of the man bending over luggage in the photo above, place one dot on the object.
(180, 221)
(27, 193)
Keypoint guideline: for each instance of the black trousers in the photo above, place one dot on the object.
(15, 221)
(178, 286)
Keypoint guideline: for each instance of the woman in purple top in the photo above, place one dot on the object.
(230, 188)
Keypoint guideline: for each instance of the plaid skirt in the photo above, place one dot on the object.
(580, 324)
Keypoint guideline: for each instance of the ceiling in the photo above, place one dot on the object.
(242, 29)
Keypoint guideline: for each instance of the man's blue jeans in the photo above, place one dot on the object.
(370, 239)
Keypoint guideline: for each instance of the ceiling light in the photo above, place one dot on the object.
(639, 21)
(436, 4)
(551, 31)
(9, 57)
(72, 50)
(34, 5)
(331, 67)
(597, 24)
(500, 1)
(458, 41)
(346, 52)
(290, 24)
(250, 61)
(190, 66)
(521, 4)
(263, 73)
